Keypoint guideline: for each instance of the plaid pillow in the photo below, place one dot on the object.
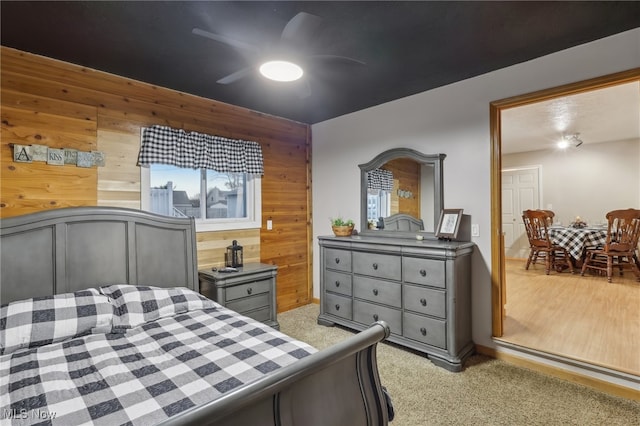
(136, 305)
(42, 320)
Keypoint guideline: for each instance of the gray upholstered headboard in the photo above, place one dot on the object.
(64, 250)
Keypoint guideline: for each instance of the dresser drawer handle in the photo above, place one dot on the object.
(337, 307)
(375, 266)
(337, 283)
(375, 291)
(375, 317)
(423, 272)
(423, 302)
(337, 260)
(423, 331)
(249, 290)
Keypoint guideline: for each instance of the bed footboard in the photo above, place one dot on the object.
(336, 386)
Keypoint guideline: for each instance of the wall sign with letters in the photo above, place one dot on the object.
(57, 156)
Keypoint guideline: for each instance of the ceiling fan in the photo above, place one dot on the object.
(294, 40)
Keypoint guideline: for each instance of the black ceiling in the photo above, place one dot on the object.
(408, 47)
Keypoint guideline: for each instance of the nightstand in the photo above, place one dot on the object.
(251, 291)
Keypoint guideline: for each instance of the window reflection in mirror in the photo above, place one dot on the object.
(402, 181)
(378, 205)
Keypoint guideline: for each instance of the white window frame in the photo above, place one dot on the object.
(254, 205)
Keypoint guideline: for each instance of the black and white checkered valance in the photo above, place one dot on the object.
(380, 179)
(165, 145)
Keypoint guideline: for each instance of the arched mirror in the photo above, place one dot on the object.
(401, 193)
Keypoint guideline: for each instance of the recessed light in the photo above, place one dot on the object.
(281, 70)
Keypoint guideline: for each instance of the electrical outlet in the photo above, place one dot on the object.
(475, 230)
(269, 224)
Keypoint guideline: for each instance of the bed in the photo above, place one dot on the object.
(102, 323)
(402, 222)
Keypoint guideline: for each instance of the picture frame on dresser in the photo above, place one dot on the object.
(449, 224)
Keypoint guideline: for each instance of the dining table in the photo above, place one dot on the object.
(577, 240)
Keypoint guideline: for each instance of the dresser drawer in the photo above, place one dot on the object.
(337, 259)
(337, 305)
(377, 265)
(426, 330)
(337, 282)
(425, 301)
(243, 290)
(249, 303)
(424, 271)
(383, 292)
(368, 313)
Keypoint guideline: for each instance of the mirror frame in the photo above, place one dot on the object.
(438, 194)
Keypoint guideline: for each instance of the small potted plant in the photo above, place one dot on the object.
(341, 227)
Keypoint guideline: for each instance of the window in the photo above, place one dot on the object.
(217, 201)
(214, 179)
(378, 204)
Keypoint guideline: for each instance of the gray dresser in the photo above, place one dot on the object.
(422, 289)
(251, 291)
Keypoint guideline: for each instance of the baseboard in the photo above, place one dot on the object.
(315, 300)
(628, 386)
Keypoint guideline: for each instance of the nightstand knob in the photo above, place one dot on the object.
(337, 307)
(375, 317)
(375, 291)
(423, 302)
(249, 290)
(337, 283)
(375, 266)
(337, 260)
(423, 331)
(423, 272)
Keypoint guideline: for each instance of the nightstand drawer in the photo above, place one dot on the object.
(337, 305)
(426, 330)
(249, 303)
(425, 301)
(338, 282)
(377, 265)
(424, 271)
(337, 259)
(383, 292)
(262, 314)
(248, 289)
(368, 313)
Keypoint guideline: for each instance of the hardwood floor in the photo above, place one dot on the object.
(583, 318)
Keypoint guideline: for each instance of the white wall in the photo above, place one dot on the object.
(587, 181)
(453, 120)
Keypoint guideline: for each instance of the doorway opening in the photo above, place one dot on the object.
(502, 261)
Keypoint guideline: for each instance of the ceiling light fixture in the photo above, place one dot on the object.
(281, 71)
(568, 140)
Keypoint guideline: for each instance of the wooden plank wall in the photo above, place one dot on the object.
(53, 103)
(406, 176)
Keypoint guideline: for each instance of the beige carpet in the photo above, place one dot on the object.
(486, 392)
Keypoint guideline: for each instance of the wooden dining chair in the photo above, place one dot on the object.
(621, 247)
(536, 223)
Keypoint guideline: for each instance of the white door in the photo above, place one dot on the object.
(520, 191)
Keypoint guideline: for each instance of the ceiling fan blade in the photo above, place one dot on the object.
(337, 58)
(301, 28)
(231, 78)
(226, 40)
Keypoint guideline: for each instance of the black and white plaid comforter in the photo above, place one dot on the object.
(143, 375)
